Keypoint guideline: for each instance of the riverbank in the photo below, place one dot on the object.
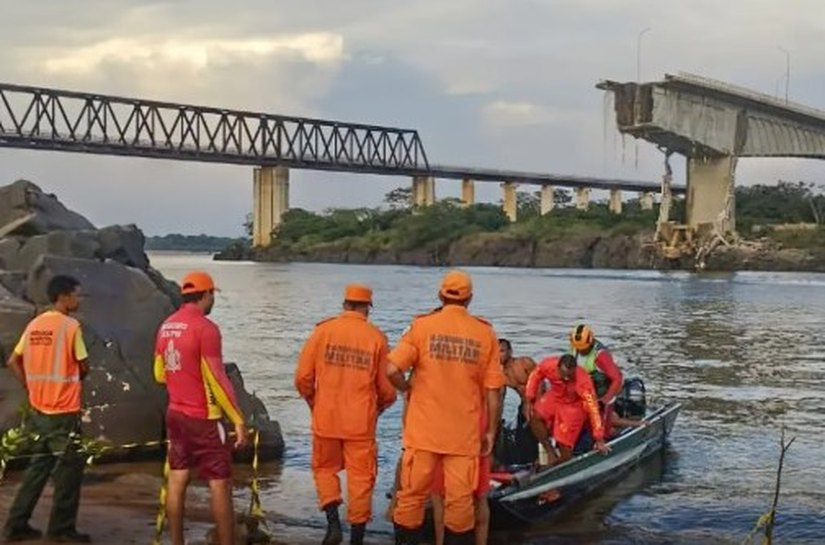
(586, 250)
(119, 505)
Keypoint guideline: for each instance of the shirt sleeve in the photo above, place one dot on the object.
(386, 391)
(305, 371)
(80, 352)
(533, 381)
(587, 394)
(20, 347)
(606, 364)
(405, 354)
(215, 373)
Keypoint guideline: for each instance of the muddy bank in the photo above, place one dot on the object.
(119, 506)
(585, 251)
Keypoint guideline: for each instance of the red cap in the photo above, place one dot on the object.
(456, 285)
(197, 281)
(358, 293)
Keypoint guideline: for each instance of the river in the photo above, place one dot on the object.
(741, 352)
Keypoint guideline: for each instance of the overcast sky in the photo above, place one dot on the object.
(505, 83)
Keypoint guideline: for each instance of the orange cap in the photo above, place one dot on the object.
(197, 281)
(456, 285)
(358, 293)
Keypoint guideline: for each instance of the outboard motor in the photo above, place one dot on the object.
(632, 400)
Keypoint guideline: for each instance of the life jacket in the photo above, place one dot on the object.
(52, 372)
(600, 381)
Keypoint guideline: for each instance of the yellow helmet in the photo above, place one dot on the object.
(581, 338)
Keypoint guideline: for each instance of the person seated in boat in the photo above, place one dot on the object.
(516, 370)
(565, 408)
(597, 360)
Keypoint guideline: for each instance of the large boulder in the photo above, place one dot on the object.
(125, 301)
(124, 244)
(15, 313)
(23, 198)
(78, 244)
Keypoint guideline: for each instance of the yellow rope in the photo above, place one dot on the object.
(255, 509)
(161, 518)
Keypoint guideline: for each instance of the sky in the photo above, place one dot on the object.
(501, 84)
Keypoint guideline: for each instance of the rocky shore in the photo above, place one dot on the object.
(125, 300)
(588, 251)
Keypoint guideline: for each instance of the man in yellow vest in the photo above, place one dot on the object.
(50, 361)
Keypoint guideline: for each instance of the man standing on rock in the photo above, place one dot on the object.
(342, 375)
(188, 358)
(50, 361)
(456, 374)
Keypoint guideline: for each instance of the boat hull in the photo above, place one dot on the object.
(539, 497)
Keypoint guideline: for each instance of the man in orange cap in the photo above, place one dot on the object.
(342, 375)
(188, 358)
(457, 373)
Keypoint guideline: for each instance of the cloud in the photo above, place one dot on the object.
(318, 48)
(514, 114)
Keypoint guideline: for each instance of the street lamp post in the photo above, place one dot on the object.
(639, 54)
(787, 71)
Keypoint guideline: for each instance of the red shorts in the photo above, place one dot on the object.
(196, 443)
(567, 420)
(485, 464)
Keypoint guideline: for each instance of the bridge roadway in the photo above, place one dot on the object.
(37, 118)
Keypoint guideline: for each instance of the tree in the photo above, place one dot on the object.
(562, 197)
(399, 198)
(248, 225)
(528, 205)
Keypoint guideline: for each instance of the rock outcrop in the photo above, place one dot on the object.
(125, 300)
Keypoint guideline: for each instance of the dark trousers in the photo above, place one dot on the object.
(55, 455)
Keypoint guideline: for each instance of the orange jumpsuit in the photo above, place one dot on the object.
(567, 405)
(342, 373)
(455, 357)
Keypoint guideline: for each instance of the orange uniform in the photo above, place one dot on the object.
(52, 348)
(342, 373)
(455, 357)
(567, 405)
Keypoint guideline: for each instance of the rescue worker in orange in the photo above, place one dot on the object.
(342, 375)
(189, 360)
(597, 360)
(456, 371)
(566, 406)
(50, 360)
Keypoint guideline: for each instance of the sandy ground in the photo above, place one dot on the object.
(119, 505)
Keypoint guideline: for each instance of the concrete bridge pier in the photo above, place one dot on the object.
(423, 191)
(468, 192)
(582, 198)
(510, 203)
(646, 200)
(615, 203)
(710, 192)
(547, 202)
(270, 199)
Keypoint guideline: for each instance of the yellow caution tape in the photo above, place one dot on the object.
(161, 518)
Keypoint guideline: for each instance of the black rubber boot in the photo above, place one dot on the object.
(356, 534)
(406, 536)
(463, 538)
(334, 535)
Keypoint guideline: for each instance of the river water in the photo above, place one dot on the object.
(742, 352)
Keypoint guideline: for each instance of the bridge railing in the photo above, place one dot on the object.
(38, 118)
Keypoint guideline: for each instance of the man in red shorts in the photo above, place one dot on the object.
(188, 359)
(482, 507)
(566, 407)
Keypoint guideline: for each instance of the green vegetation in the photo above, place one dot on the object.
(397, 227)
(191, 243)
